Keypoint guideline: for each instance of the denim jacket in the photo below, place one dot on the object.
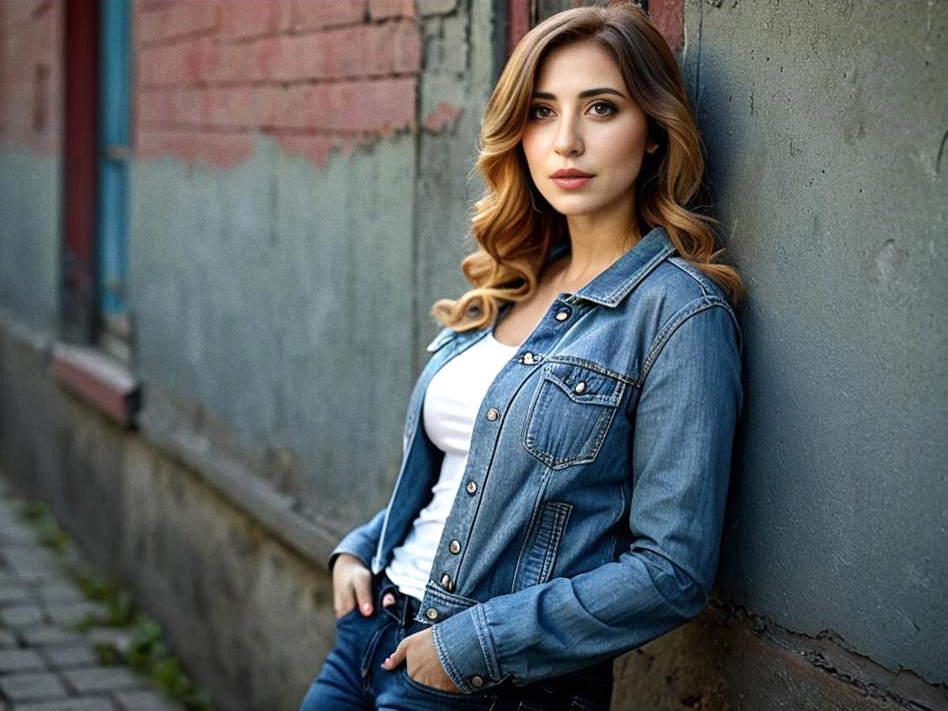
(589, 516)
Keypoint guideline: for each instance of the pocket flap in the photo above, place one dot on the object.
(585, 385)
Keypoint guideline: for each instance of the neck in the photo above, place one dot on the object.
(595, 243)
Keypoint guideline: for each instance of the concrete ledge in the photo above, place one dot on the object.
(98, 379)
(244, 488)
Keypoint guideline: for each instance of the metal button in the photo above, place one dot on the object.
(477, 681)
(580, 386)
(454, 546)
(446, 582)
(493, 413)
(561, 315)
(471, 486)
(528, 358)
(431, 613)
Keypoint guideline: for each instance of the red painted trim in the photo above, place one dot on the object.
(80, 155)
(518, 22)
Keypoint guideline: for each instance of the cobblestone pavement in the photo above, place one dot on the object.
(45, 663)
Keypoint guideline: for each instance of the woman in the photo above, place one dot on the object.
(567, 446)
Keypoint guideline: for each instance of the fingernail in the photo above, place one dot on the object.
(366, 607)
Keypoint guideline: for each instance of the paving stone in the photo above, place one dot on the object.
(21, 616)
(10, 592)
(144, 701)
(49, 634)
(60, 592)
(86, 703)
(16, 532)
(69, 613)
(15, 660)
(73, 655)
(45, 664)
(32, 686)
(102, 679)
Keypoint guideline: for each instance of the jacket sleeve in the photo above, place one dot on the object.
(682, 432)
(360, 542)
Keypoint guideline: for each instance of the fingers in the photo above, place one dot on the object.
(396, 657)
(344, 602)
(388, 600)
(363, 592)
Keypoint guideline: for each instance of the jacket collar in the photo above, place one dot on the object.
(615, 282)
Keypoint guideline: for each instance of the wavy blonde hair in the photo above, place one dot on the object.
(514, 239)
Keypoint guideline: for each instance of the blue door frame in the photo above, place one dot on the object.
(112, 223)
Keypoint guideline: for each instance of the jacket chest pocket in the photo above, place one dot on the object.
(570, 413)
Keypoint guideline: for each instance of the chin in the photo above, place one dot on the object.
(574, 208)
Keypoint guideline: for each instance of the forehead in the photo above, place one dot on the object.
(576, 66)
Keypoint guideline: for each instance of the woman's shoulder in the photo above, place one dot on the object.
(673, 292)
(677, 284)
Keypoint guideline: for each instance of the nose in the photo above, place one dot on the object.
(569, 141)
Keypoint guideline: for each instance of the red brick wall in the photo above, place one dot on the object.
(669, 17)
(317, 75)
(31, 74)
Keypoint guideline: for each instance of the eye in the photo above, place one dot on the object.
(602, 108)
(537, 111)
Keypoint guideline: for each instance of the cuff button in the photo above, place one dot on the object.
(431, 613)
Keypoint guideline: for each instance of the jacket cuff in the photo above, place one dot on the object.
(466, 650)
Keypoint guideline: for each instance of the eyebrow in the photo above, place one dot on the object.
(582, 95)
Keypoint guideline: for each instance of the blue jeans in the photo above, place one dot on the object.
(352, 677)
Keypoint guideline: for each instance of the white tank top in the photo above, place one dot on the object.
(452, 400)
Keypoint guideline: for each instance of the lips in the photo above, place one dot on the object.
(570, 173)
(570, 178)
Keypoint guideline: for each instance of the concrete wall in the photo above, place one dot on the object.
(826, 127)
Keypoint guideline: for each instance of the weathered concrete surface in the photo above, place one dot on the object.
(730, 660)
(826, 127)
(250, 617)
(260, 281)
(30, 228)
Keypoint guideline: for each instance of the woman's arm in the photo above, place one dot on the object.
(360, 542)
(683, 432)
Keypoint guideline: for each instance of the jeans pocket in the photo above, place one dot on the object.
(450, 699)
(348, 615)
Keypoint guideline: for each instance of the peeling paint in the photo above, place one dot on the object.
(442, 118)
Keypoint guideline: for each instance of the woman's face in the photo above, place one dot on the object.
(583, 118)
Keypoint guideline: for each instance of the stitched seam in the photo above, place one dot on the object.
(640, 274)
(562, 511)
(515, 586)
(486, 641)
(690, 271)
(452, 670)
(448, 598)
(670, 327)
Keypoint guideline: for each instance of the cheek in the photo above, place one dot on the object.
(627, 144)
(530, 145)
